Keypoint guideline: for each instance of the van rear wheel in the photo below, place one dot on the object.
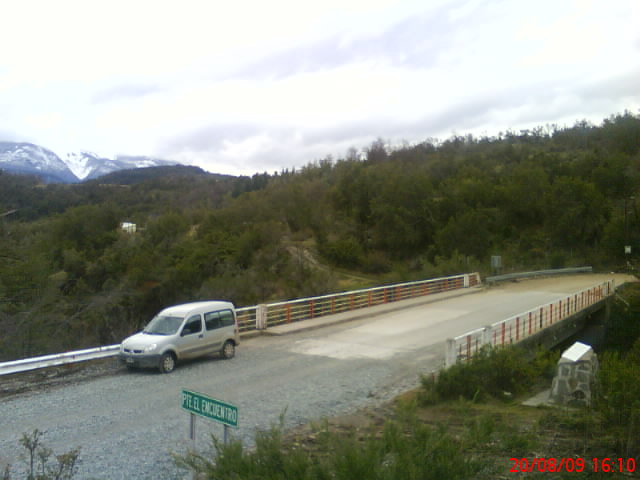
(167, 363)
(228, 349)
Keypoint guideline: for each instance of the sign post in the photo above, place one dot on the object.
(207, 407)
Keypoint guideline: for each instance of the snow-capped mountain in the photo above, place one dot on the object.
(27, 158)
(87, 165)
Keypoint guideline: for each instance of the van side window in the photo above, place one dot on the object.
(193, 325)
(212, 320)
(222, 318)
(226, 318)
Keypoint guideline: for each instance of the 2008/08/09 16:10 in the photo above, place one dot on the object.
(570, 464)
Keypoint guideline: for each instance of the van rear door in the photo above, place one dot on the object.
(220, 327)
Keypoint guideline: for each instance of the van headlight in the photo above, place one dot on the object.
(150, 348)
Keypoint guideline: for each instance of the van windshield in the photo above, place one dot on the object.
(162, 325)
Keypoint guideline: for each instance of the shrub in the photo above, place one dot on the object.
(39, 466)
(407, 449)
(618, 398)
(498, 373)
(344, 252)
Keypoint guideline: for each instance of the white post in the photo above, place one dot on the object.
(261, 317)
(466, 280)
(486, 335)
(450, 353)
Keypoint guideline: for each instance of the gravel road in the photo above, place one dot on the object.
(127, 423)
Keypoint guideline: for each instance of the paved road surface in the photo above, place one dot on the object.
(126, 423)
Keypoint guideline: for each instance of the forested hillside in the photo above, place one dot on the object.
(550, 197)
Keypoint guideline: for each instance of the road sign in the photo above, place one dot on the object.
(210, 408)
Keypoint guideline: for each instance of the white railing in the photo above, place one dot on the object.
(524, 325)
(260, 317)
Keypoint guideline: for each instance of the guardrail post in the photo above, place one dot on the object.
(466, 281)
(450, 353)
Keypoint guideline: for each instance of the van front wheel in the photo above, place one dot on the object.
(167, 363)
(228, 349)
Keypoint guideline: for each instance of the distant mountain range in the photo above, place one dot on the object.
(30, 159)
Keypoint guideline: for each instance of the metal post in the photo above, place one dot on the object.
(192, 429)
(226, 434)
(192, 436)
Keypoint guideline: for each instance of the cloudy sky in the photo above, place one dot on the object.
(246, 86)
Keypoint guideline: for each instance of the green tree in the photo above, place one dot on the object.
(576, 213)
(468, 234)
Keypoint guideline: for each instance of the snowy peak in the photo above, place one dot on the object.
(27, 158)
(82, 164)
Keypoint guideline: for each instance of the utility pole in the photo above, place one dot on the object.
(627, 246)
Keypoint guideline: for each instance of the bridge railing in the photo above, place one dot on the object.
(521, 326)
(260, 317)
(307, 308)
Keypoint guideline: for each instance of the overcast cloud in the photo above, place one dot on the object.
(246, 86)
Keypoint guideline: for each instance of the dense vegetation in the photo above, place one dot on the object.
(549, 197)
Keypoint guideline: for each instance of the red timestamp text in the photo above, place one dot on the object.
(570, 464)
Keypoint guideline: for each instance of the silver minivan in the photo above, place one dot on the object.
(183, 331)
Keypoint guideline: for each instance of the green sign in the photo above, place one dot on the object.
(210, 408)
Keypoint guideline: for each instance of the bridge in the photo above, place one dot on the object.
(544, 326)
(126, 423)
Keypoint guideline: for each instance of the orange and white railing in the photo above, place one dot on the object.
(517, 328)
(261, 317)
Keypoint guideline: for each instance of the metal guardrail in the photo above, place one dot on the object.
(27, 364)
(538, 273)
(518, 327)
(260, 317)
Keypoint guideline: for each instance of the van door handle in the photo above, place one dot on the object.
(201, 335)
